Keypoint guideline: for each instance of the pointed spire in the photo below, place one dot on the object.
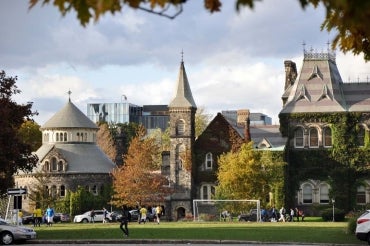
(69, 95)
(183, 96)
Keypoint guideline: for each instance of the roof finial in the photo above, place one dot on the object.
(182, 55)
(69, 94)
(304, 46)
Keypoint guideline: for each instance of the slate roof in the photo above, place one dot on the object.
(183, 97)
(81, 158)
(69, 117)
(319, 88)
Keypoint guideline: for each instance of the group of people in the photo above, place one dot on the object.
(38, 218)
(157, 211)
(288, 216)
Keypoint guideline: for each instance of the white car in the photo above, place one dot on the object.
(10, 233)
(85, 217)
(363, 227)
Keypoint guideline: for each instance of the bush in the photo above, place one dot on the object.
(351, 226)
(327, 214)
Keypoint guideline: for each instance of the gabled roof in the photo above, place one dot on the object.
(69, 117)
(183, 97)
(318, 88)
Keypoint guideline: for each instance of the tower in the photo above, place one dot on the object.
(182, 110)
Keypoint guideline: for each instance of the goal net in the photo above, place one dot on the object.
(225, 210)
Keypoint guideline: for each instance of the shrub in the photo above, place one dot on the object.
(351, 226)
(327, 214)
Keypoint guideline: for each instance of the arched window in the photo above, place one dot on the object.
(324, 193)
(180, 127)
(62, 191)
(207, 192)
(60, 166)
(327, 137)
(95, 190)
(307, 193)
(57, 137)
(54, 166)
(209, 161)
(314, 138)
(46, 166)
(180, 152)
(298, 138)
(361, 136)
(65, 137)
(361, 195)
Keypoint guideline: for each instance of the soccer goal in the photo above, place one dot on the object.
(226, 210)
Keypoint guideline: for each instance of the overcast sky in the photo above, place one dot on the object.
(233, 60)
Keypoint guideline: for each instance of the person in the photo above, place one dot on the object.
(273, 214)
(158, 213)
(291, 218)
(105, 213)
(92, 216)
(225, 215)
(49, 216)
(297, 212)
(143, 211)
(124, 220)
(282, 214)
(37, 217)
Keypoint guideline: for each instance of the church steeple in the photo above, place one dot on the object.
(183, 96)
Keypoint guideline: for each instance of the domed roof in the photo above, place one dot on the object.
(69, 117)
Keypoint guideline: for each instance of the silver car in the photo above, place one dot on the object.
(10, 233)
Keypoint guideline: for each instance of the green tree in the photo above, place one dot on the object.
(15, 155)
(30, 134)
(139, 181)
(348, 18)
(249, 174)
(38, 192)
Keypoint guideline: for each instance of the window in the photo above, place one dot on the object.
(180, 127)
(57, 137)
(65, 137)
(327, 137)
(95, 190)
(209, 161)
(53, 191)
(298, 138)
(307, 193)
(62, 191)
(207, 192)
(46, 166)
(361, 196)
(314, 137)
(54, 166)
(60, 166)
(324, 193)
(361, 136)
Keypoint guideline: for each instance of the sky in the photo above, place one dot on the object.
(233, 60)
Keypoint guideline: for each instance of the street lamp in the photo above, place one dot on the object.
(333, 202)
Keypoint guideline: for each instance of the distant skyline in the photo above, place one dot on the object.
(232, 60)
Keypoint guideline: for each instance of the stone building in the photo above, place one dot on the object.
(68, 156)
(327, 124)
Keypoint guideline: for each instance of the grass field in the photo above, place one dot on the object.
(307, 232)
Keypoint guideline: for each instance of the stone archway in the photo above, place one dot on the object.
(180, 213)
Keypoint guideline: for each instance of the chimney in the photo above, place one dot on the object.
(243, 120)
(290, 73)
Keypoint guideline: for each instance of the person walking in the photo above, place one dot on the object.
(282, 214)
(124, 220)
(158, 212)
(37, 217)
(105, 214)
(143, 211)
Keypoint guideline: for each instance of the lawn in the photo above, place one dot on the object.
(306, 232)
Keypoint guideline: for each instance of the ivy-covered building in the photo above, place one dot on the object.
(327, 124)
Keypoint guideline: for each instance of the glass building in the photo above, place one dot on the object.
(122, 112)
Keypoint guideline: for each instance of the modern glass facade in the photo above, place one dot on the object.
(122, 112)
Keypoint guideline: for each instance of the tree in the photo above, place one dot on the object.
(30, 134)
(348, 18)
(38, 192)
(202, 119)
(15, 155)
(105, 141)
(248, 174)
(139, 180)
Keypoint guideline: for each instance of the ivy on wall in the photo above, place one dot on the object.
(342, 166)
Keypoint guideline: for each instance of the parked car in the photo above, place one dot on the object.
(85, 217)
(251, 216)
(61, 217)
(363, 227)
(10, 233)
(135, 215)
